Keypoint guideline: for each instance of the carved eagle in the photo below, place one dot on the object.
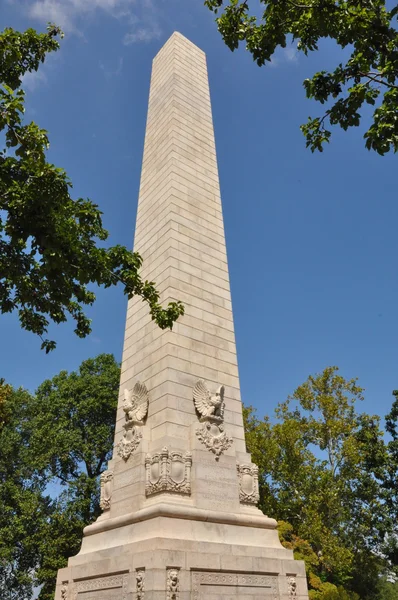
(206, 404)
(135, 403)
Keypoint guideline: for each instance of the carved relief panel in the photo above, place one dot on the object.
(106, 479)
(172, 584)
(168, 471)
(248, 483)
(135, 406)
(291, 586)
(64, 591)
(102, 588)
(140, 584)
(211, 407)
(233, 586)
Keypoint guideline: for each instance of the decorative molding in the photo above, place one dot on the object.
(291, 586)
(172, 583)
(168, 471)
(140, 584)
(135, 406)
(181, 511)
(102, 583)
(106, 479)
(234, 580)
(214, 438)
(64, 591)
(248, 483)
(209, 406)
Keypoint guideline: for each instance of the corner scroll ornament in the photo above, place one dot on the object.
(106, 479)
(168, 471)
(211, 410)
(248, 483)
(135, 406)
(292, 586)
(172, 584)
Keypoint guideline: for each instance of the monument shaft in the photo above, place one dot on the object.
(179, 496)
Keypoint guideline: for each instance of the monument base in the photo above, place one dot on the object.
(177, 558)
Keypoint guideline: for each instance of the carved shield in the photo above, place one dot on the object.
(214, 430)
(177, 470)
(247, 483)
(155, 472)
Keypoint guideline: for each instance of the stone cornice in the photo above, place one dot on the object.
(181, 512)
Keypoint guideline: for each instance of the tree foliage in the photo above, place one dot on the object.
(391, 482)
(323, 470)
(24, 505)
(72, 420)
(59, 440)
(71, 427)
(51, 245)
(366, 28)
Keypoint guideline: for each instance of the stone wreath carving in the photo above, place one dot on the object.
(214, 438)
(106, 479)
(140, 584)
(209, 406)
(135, 406)
(292, 586)
(168, 471)
(248, 483)
(211, 410)
(172, 584)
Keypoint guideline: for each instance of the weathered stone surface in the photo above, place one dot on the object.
(179, 520)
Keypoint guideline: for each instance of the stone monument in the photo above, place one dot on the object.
(179, 496)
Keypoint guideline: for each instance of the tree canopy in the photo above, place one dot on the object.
(57, 440)
(24, 505)
(324, 468)
(51, 245)
(70, 428)
(365, 29)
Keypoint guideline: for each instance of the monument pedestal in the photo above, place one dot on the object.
(211, 559)
(179, 496)
(205, 570)
(212, 554)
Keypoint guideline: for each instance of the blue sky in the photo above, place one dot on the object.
(311, 239)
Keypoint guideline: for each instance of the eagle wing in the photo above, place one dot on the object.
(201, 398)
(140, 401)
(127, 402)
(127, 396)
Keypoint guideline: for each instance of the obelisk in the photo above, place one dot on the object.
(179, 496)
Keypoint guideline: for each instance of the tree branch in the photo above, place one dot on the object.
(300, 5)
(372, 77)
